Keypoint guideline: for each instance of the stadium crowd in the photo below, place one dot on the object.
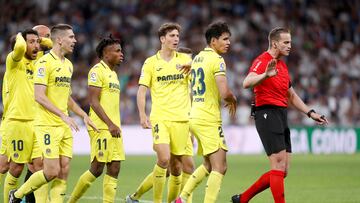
(324, 61)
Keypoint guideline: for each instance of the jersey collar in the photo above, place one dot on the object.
(209, 49)
(158, 57)
(104, 64)
(54, 55)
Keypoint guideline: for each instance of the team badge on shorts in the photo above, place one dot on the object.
(48, 151)
(156, 137)
(16, 155)
(101, 154)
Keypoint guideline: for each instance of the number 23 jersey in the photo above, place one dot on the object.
(206, 103)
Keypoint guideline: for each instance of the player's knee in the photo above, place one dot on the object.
(37, 165)
(97, 169)
(164, 161)
(51, 174)
(188, 167)
(16, 169)
(4, 167)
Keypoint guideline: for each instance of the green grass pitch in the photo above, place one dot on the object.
(312, 178)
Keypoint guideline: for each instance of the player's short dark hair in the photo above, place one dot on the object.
(185, 50)
(60, 27)
(215, 30)
(274, 34)
(168, 27)
(104, 43)
(23, 34)
(29, 31)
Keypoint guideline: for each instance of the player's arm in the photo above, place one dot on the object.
(74, 107)
(226, 94)
(43, 100)
(253, 79)
(46, 42)
(298, 103)
(141, 103)
(94, 95)
(19, 48)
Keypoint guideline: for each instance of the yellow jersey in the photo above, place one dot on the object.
(19, 102)
(206, 102)
(101, 76)
(169, 88)
(56, 76)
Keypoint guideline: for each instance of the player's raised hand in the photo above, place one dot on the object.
(70, 122)
(271, 68)
(145, 122)
(89, 122)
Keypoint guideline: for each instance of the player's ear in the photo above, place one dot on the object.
(162, 39)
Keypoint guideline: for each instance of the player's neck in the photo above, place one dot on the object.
(58, 52)
(274, 53)
(166, 54)
(111, 66)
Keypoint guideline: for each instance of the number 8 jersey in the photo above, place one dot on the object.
(206, 97)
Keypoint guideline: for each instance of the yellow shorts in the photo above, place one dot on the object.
(210, 136)
(105, 147)
(22, 145)
(55, 141)
(3, 138)
(174, 133)
(189, 150)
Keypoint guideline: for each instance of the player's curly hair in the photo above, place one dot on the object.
(104, 43)
(215, 30)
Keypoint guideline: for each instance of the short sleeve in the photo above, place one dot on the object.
(219, 67)
(42, 72)
(146, 74)
(258, 67)
(94, 77)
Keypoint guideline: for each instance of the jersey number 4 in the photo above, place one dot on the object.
(197, 82)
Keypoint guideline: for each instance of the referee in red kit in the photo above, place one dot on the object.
(270, 80)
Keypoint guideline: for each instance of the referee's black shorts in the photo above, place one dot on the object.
(271, 124)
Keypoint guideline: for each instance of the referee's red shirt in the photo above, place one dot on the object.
(273, 90)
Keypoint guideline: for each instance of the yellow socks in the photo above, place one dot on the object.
(109, 189)
(81, 186)
(10, 183)
(213, 187)
(159, 178)
(145, 186)
(174, 187)
(195, 179)
(57, 190)
(41, 194)
(35, 181)
(185, 178)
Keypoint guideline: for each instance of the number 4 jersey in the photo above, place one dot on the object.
(206, 97)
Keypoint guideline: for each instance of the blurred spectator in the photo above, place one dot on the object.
(324, 63)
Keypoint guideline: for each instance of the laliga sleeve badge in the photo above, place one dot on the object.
(93, 77)
(41, 72)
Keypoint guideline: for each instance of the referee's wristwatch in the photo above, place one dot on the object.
(310, 112)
